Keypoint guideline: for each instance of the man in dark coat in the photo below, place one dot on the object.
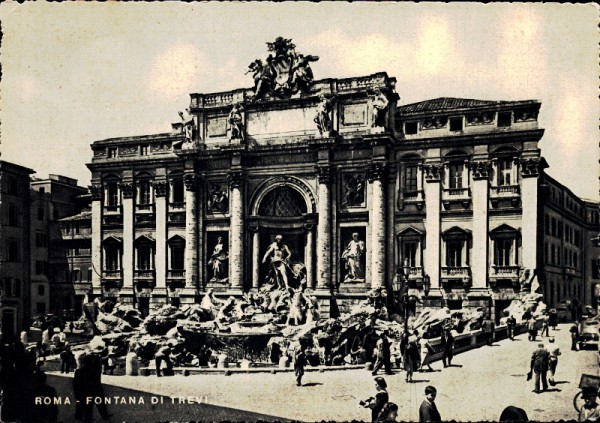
(539, 366)
(511, 322)
(428, 411)
(488, 329)
(574, 335)
(447, 343)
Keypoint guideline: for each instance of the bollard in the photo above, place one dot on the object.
(222, 363)
(284, 362)
(132, 364)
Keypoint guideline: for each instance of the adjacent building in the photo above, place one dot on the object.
(14, 246)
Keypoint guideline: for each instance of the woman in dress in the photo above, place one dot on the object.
(377, 402)
(424, 349)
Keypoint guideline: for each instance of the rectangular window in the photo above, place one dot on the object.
(410, 128)
(13, 186)
(144, 150)
(111, 153)
(456, 124)
(75, 276)
(40, 308)
(553, 255)
(595, 269)
(505, 172)
(41, 213)
(504, 119)
(13, 253)
(410, 249)
(144, 193)
(503, 252)
(547, 224)
(575, 261)
(76, 228)
(13, 215)
(144, 257)
(553, 227)
(7, 287)
(178, 191)
(112, 258)
(41, 290)
(177, 255)
(112, 194)
(456, 175)
(560, 229)
(409, 178)
(89, 275)
(454, 253)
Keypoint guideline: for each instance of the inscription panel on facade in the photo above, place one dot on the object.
(216, 127)
(354, 114)
(291, 121)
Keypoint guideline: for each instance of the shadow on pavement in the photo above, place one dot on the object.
(560, 382)
(420, 381)
(164, 408)
(312, 384)
(456, 365)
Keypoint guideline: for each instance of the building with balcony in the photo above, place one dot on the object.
(363, 191)
(15, 301)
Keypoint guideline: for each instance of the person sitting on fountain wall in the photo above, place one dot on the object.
(279, 254)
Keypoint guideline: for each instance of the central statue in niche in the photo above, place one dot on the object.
(284, 73)
(283, 273)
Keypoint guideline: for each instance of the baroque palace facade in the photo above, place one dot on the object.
(363, 192)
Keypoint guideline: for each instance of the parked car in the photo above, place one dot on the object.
(588, 332)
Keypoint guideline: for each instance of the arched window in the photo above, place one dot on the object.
(282, 202)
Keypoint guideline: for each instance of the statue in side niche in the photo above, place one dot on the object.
(323, 115)
(217, 258)
(378, 104)
(236, 122)
(352, 255)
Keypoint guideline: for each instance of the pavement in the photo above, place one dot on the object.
(479, 385)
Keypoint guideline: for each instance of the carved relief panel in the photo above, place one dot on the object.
(353, 190)
(217, 199)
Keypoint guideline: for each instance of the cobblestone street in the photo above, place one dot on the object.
(478, 386)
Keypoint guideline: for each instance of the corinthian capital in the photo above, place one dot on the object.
(235, 178)
(160, 188)
(323, 173)
(127, 189)
(480, 169)
(432, 171)
(96, 191)
(191, 182)
(377, 171)
(531, 167)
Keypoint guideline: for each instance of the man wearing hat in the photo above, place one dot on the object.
(590, 410)
(539, 366)
(381, 398)
(279, 254)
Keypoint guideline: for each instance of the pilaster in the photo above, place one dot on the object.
(376, 176)
(96, 252)
(433, 173)
(530, 170)
(191, 230)
(236, 227)
(127, 191)
(160, 204)
(479, 259)
(324, 228)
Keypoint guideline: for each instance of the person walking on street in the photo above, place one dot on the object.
(531, 329)
(383, 355)
(67, 359)
(553, 318)
(539, 366)
(488, 329)
(410, 355)
(299, 363)
(511, 322)
(554, 351)
(545, 327)
(377, 402)
(428, 411)
(424, 350)
(574, 335)
(447, 343)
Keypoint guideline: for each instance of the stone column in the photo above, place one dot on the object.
(160, 192)
(433, 173)
(324, 229)
(191, 231)
(236, 229)
(529, 198)
(376, 177)
(96, 240)
(308, 255)
(255, 257)
(479, 263)
(127, 191)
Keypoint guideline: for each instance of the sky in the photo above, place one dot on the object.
(77, 72)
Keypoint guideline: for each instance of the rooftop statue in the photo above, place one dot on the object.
(284, 73)
(323, 116)
(236, 122)
(188, 128)
(378, 104)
